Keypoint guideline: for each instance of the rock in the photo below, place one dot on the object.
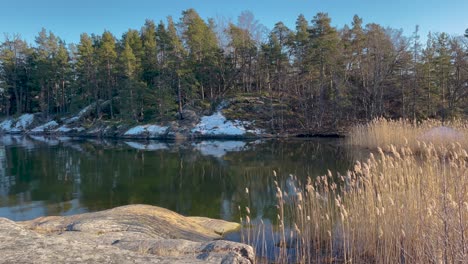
(18, 125)
(217, 125)
(190, 116)
(146, 131)
(45, 127)
(127, 234)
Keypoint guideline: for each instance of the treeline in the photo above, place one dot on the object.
(357, 72)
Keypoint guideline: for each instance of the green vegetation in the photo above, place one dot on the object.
(312, 78)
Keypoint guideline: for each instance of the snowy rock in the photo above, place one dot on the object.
(217, 125)
(147, 131)
(6, 125)
(66, 129)
(24, 121)
(17, 126)
(63, 129)
(45, 127)
(80, 115)
(71, 120)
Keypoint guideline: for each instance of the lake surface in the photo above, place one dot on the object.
(62, 176)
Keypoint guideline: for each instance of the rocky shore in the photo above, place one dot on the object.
(214, 125)
(126, 234)
(236, 119)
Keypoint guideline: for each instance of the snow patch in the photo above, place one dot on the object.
(78, 116)
(66, 129)
(6, 125)
(71, 120)
(219, 148)
(155, 130)
(217, 124)
(135, 131)
(24, 121)
(18, 125)
(83, 111)
(45, 127)
(63, 129)
(150, 130)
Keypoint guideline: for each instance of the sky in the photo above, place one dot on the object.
(68, 19)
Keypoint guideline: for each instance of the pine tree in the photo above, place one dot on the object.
(14, 56)
(323, 51)
(150, 58)
(86, 71)
(107, 56)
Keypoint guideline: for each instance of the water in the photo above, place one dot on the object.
(64, 176)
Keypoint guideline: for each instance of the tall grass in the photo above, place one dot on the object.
(397, 207)
(383, 132)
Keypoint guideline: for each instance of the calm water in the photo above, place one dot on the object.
(40, 176)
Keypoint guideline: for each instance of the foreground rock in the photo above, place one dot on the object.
(127, 234)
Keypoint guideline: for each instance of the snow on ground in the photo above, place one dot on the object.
(218, 148)
(63, 129)
(18, 125)
(6, 124)
(24, 121)
(78, 116)
(148, 146)
(138, 130)
(150, 130)
(155, 130)
(71, 120)
(64, 139)
(217, 124)
(83, 111)
(66, 129)
(45, 127)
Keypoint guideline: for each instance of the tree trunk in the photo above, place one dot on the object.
(179, 97)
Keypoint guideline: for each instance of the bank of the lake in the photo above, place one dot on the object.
(238, 118)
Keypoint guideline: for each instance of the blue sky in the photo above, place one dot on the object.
(68, 19)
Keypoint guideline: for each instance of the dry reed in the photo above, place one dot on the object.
(383, 132)
(396, 207)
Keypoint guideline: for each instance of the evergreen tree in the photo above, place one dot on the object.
(323, 60)
(107, 56)
(323, 75)
(14, 75)
(150, 57)
(86, 70)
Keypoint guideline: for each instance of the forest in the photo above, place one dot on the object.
(314, 73)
